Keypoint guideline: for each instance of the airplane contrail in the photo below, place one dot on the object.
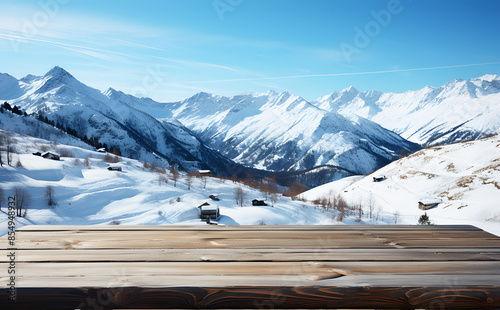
(344, 74)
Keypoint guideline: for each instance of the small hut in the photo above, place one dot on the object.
(52, 156)
(208, 211)
(205, 173)
(378, 178)
(214, 197)
(257, 202)
(428, 203)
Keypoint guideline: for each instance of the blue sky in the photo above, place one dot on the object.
(169, 50)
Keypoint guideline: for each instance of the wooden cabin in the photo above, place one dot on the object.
(205, 173)
(52, 156)
(428, 203)
(114, 168)
(214, 197)
(378, 178)
(208, 211)
(257, 202)
(101, 150)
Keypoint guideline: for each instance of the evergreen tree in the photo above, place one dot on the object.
(424, 220)
(16, 110)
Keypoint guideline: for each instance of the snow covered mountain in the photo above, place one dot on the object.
(284, 132)
(464, 176)
(60, 97)
(458, 110)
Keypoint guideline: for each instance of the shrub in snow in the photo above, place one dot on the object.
(86, 162)
(64, 152)
(44, 148)
(108, 158)
(162, 179)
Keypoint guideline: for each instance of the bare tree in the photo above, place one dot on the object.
(396, 217)
(23, 200)
(49, 193)
(359, 211)
(175, 174)
(86, 162)
(377, 215)
(371, 206)
(2, 197)
(341, 206)
(239, 195)
(10, 150)
(274, 198)
(189, 180)
(204, 181)
(295, 189)
(2, 141)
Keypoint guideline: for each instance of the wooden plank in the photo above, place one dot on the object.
(256, 255)
(247, 240)
(316, 270)
(247, 227)
(264, 280)
(411, 297)
(266, 234)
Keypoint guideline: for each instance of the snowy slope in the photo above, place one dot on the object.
(284, 132)
(464, 176)
(62, 98)
(94, 195)
(458, 110)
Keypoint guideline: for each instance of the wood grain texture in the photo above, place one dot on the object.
(255, 255)
(253, 267)
(256, 239)
(419, 297)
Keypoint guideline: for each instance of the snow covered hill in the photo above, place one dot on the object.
(464, 176)
(459, 110)
(85, 192)
(62, 98)
(284, 132)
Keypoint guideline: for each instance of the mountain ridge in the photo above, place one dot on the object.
(429, 115)
(65, 100)
(355, 130)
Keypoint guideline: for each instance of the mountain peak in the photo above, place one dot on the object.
(6, 77)
(110, 92)
(489, 77)
(58, 72)
(201, 96)
(271, 92)
(350, 89)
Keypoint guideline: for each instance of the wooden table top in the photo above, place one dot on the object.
(251, 267)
